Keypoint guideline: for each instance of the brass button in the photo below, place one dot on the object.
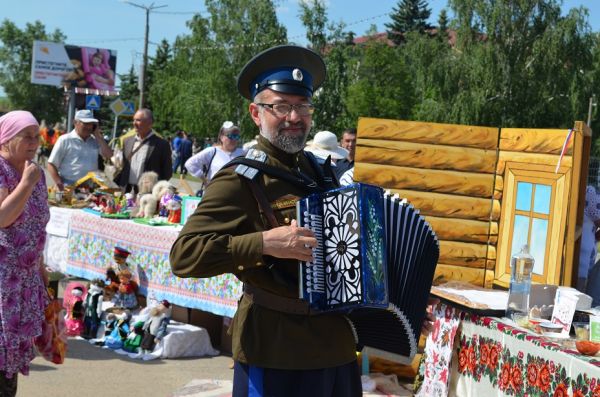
(240, 267)
(259, 263)
(287, 220)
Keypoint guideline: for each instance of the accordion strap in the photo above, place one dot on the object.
(263, 202)
(277, 302)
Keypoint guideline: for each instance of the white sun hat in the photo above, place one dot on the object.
(324, 144)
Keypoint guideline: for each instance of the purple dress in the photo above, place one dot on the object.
(23, 296)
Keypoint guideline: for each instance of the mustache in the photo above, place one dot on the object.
(287, 124)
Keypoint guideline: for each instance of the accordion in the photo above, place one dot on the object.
(375, 261)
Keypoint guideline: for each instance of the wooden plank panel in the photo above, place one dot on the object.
(435, 133)
(549, 141)
(394, 177)
(451, 206)
(530, 158)
(422, 155)
(445, 273)
(466, 230)
(466, 254)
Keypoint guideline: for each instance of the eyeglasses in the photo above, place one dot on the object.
(233, 136)
(283, 109)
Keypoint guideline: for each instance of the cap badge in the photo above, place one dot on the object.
(297, 75)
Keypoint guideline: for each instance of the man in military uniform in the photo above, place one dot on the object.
(245, 225)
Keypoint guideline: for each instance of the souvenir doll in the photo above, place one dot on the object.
(120, 256)
(73, 299)
(93, 309)
(174, 208)
(134, 339)
(155, 327)
(126, 295)
(119, 332)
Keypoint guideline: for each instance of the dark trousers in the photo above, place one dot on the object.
(8, 387)
(251, 381)
(131, 187)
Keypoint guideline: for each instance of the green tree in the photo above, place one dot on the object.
(45, 102)
(522, 63)
(383, 85)
(336, 48)
(158, 62)
(408, 16)
(129, 90)
(197, 90)
(313, 15)
(443, 23)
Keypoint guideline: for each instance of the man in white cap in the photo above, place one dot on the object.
(76, 153)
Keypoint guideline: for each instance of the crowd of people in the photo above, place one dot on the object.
(284, 352)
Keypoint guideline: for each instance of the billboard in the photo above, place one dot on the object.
(59, 64)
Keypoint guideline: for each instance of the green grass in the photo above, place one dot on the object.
(188, 177)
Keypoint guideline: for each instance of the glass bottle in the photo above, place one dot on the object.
(521, 266)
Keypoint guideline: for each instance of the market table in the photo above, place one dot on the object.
(472, 355)
(90, 241)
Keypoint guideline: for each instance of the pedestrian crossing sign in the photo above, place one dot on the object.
(92, 102)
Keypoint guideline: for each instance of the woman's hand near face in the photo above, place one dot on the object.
(31, 174)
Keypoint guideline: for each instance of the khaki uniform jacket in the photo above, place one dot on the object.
(224, 235)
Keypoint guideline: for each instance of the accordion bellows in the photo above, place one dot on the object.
(375, 261)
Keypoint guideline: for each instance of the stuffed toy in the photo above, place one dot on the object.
(134, 339)
(126, 295)
(147, 206)
(174, 208)
(119, 332)
(146, 203)
(146, 182)
(73, 299)
(93, 309)
(155, 327)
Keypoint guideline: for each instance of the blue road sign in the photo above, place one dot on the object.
(92, 102)
(129, 108)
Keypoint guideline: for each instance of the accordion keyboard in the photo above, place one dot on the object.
(315, 275)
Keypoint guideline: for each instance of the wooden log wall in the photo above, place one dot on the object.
(454, 175)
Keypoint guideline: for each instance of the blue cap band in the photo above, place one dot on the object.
(298, 80)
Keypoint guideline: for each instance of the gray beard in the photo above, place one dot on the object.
(289, 144)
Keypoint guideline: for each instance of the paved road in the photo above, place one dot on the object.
(92, 371)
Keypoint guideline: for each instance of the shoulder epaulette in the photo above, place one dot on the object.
(251, 172)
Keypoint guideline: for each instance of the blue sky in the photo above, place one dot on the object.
(116, 25)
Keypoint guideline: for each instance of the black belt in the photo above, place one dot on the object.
(277, 302)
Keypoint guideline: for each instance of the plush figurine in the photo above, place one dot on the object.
(146, 182)
(93, 309)
(146, 203)
(73, 303)
(119, 332)
(155, 326)
(126, 295)
(174, 208)
(147, 206)
(134, 339)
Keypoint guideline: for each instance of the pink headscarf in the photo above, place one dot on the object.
(14, 122)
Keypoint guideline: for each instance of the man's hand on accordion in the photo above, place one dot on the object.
(290, 242)
(429, 316)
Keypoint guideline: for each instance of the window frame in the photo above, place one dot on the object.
(560, 183)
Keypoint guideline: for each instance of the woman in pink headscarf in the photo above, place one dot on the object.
(23, 217)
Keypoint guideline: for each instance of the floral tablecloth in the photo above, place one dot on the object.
(469, 355)
(90, 249)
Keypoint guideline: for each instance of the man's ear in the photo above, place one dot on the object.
(254, 113)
